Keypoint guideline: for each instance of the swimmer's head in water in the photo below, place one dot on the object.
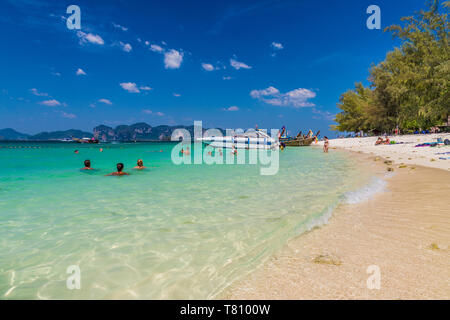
(87, 163)
(119, 167)
(140, 163)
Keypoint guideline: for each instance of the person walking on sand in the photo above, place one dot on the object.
(326, 144)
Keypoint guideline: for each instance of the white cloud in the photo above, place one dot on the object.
(277, 46)
(173, 59)
(56, 74)
(270, 91)
(118, 26)
(227, 78)
(145, 88)
(297, 98)
(126, 46)
(68, 115)
(51, 103)
(238, 65)
(37, 93)
(130, 87)
(156, 48)
(105, 101)
(147, 43)
(89, 37)
(177, 95)
(232, 108)
(80, 72)
(147, 111)
(207, 66)
(326, 115)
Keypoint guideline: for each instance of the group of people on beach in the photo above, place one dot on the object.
(120, 166)
(381, 141)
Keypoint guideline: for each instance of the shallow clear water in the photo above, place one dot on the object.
(174, 232)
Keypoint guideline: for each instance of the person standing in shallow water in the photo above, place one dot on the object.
(326, 145)
(87, 165)
(119, 171)
(140, 165)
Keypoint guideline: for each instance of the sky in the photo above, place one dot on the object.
(230, 64)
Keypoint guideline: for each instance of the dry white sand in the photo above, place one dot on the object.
(405, 153)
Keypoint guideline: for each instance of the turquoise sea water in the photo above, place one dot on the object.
(174, 232)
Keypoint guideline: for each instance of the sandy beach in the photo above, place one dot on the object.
(404, 232)
(406, 152)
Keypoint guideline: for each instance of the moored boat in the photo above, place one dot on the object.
(250, 140)
(300, 140)
(86, 140)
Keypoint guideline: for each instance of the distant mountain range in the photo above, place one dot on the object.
(11, 134)
(136, 132)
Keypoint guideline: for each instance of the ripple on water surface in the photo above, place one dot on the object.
(171, 231)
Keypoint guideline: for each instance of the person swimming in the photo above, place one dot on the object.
(87, 165)
(119, 171)
(140, 165)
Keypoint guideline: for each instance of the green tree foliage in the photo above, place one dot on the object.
(355, 104)
(411, 87)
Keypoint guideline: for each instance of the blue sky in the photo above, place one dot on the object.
(228, 63)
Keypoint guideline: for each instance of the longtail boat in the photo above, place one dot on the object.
(300, 140)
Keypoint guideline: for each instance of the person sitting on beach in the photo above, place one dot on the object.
(326, 144)
(87, 165)
(119, 171)
(387, 141)
(379, 141)
(140, 165)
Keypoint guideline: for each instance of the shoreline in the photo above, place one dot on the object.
(405, 231)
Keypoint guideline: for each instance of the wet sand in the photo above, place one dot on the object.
(405, 231)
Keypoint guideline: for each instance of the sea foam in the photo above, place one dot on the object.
(376, 185)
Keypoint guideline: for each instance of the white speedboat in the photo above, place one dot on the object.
(249, 140)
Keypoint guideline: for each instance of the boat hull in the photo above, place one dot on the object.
(298, 142)
(240, 143)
